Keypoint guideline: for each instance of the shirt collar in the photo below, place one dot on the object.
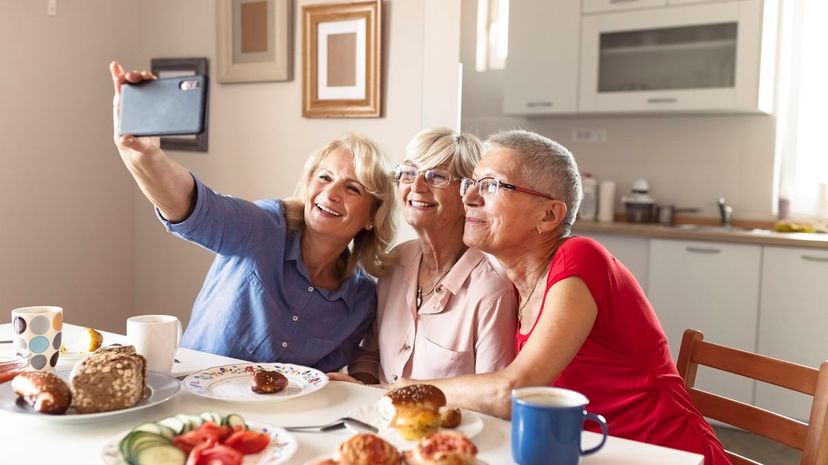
(347, 289)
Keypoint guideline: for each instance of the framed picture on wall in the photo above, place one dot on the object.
(341, 60)
(253, 40)
(174, 67)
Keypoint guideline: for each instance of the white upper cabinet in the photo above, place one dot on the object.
(793, 319)
(598, 6)
(705, 57)
(541, 74)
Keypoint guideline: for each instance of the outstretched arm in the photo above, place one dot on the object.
(167, 184)
(568, 315)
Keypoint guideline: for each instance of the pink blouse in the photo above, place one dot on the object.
(466, 326)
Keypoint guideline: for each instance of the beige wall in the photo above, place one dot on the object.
(66, 204)
(75, 229)
(689, 161)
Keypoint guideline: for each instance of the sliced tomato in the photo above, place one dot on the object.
(187, 442)
(219, 455)
(248, 442)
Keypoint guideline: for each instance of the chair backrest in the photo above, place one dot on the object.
(811, 438)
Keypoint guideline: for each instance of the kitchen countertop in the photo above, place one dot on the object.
(706, 233)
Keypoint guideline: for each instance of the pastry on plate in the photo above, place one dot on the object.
(112, 378)
(267, 381)
(45, 392)
(368, 449)
(450, 418)
(413, 410)
(444, 448)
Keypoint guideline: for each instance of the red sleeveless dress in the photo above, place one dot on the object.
(624, 367)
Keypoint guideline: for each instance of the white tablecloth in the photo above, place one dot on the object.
(28, 439)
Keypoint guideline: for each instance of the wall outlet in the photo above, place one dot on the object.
(589, 135)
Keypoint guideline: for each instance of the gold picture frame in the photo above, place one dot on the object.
(341, 60)
(254, 40)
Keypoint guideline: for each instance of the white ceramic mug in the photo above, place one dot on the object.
(38, 331)
(156, 337)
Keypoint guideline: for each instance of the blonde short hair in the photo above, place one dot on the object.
(371, 248)
(438, 146)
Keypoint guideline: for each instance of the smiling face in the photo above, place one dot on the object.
(427, 207)
(337, 205)
(507, 220)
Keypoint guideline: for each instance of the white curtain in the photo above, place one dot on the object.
(802, 104)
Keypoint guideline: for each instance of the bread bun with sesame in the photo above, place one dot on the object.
(413, 410)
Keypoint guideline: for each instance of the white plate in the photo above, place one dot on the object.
(160, 388)
(471, 425)
(282, 447)
(232, 382)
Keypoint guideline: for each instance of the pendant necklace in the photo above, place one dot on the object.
(422, 293)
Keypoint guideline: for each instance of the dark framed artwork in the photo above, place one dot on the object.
(173, 67)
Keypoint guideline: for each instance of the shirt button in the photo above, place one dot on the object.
(310, 288)
(396, 377)
(439, 289)
(284, 343)
(406, 347)
(295, 318)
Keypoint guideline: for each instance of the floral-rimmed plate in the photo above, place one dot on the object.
(160, 388)
(471, 425)
(232, 382)
(281, 448)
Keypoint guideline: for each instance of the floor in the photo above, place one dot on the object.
(757, 448)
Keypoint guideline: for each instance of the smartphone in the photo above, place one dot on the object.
(164, 107)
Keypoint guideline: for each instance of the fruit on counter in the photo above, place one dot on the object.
(192, 439)
(90, 340)
(790, 226)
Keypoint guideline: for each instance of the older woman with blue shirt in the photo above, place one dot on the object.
(285, 285)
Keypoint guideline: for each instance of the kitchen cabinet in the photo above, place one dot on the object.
(541, 75)
(712, 287)
(793, 319)
(705, 57)
(597, 6)
(633, 252)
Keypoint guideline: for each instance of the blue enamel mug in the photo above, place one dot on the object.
(546, 426)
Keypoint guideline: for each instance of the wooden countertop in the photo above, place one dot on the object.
(706, 233)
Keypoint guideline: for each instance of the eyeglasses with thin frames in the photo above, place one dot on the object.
(489, 186)
(435, 177)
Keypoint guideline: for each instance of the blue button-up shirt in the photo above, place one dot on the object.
(257, 302)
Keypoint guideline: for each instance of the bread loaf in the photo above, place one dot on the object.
(112, 378)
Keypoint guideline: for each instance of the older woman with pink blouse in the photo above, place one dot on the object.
(444, 309)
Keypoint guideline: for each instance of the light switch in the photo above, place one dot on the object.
(52, 8)
(589, 135)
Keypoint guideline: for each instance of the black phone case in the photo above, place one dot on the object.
(161, 107)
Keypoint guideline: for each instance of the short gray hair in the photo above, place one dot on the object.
(437, 146)
(546, 166)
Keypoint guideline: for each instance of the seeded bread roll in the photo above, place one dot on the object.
(267, 381)
(423, 396)
(367, 449)
(445, 448)
(112, 378)
(45, 392)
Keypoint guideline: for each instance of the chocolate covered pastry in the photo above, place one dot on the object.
(45, 392)
(267, 382)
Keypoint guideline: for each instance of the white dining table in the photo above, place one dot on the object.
(34, 439)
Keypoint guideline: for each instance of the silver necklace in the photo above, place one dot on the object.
(421, 292)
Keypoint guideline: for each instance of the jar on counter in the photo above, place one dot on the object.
(589, 203)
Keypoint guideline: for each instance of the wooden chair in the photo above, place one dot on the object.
(810, 438)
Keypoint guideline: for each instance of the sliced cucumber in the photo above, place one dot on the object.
(174, 423)
(234, 419)
(150, 428)
(160, 455)
(212, 417)
(136, 441)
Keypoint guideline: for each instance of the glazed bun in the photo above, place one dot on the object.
(446, 448)
(413, 410)
(267, 381)
(367, 449)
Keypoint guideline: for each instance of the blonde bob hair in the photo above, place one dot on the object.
(439, 146)
(370, 248)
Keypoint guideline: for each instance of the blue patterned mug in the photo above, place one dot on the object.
(38, 331)
(547, 424)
